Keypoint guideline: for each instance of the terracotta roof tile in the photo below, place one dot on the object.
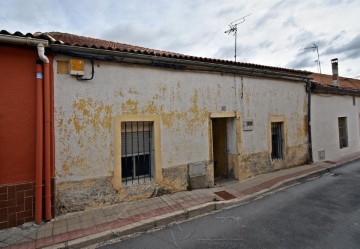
(17, 33)
(325, 79)
(89, 42)
(82, 41)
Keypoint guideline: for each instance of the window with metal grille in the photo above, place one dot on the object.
(277, 140)
(136, 151)
(343, 136)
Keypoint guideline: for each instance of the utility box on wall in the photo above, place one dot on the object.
(77, 67)
(197, 175)
(197, 169)
(248, 125)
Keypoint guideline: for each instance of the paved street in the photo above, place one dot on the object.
(322, 213)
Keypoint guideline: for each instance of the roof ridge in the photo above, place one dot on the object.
(51, 34)
(62, 38)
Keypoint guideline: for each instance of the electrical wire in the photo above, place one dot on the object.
(78, 77)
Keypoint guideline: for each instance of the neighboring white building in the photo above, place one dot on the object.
(149, 122)
(335, 114)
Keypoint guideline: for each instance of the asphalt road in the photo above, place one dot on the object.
(321, 213)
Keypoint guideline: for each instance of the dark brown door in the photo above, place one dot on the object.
(220, 147)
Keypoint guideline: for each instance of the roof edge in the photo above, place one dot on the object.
(60, 38)
(320, 88)
(183, 64)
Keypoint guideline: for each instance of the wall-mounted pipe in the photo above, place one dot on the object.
(42, 87)
(39, 143)
(41, 53)
(47, 124)
(308, 90)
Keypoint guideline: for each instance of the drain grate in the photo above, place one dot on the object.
(225, 195)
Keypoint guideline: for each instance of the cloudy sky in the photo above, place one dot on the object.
(274, 34)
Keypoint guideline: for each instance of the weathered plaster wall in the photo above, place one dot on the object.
(264, 101)
(325, 111)
(84, 125)
(85, 111)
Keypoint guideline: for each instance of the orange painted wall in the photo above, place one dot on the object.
(17, 114)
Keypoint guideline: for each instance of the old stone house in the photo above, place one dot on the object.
(132, 122)
(124, 122)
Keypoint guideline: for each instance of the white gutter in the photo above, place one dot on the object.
(22, 40)
(41, 53)
(39, 43)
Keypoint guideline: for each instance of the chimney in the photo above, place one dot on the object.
(335, 72)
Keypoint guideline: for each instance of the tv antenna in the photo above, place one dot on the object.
(318, 57)
(233, 29)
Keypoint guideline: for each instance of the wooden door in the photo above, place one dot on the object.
(220, 147)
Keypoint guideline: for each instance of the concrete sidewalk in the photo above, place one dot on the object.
(84, 228)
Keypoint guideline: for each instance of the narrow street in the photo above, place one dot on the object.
(321, 213)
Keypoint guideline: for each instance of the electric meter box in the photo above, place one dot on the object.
(76, 67)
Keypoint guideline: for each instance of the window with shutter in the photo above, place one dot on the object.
(136, 151)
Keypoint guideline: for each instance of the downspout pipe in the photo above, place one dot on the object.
(43, 118)
(39, 143)
(47, 127)
(308, 89)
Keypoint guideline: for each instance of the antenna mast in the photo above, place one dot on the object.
(233, 29)
(318, 57)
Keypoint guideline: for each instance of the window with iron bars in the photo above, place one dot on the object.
(343, 136)
(277, 140)
(136, 151)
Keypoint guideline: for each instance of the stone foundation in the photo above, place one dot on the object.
(205, 181)
(175, 178)
(82, 195)
(93, 193)
(259, 163)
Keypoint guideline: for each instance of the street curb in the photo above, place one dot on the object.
(189, 213)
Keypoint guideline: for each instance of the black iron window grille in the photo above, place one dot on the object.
(343, 136)
(136, 151)
(277, 140)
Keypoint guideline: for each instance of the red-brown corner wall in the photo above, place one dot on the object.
(17, 114)
(18, 135)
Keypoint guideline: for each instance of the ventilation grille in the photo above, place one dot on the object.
(248, 125)
(321, 154)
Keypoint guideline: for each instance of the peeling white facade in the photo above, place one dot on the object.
(263, 99)
(185, 102)
(85, 111)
